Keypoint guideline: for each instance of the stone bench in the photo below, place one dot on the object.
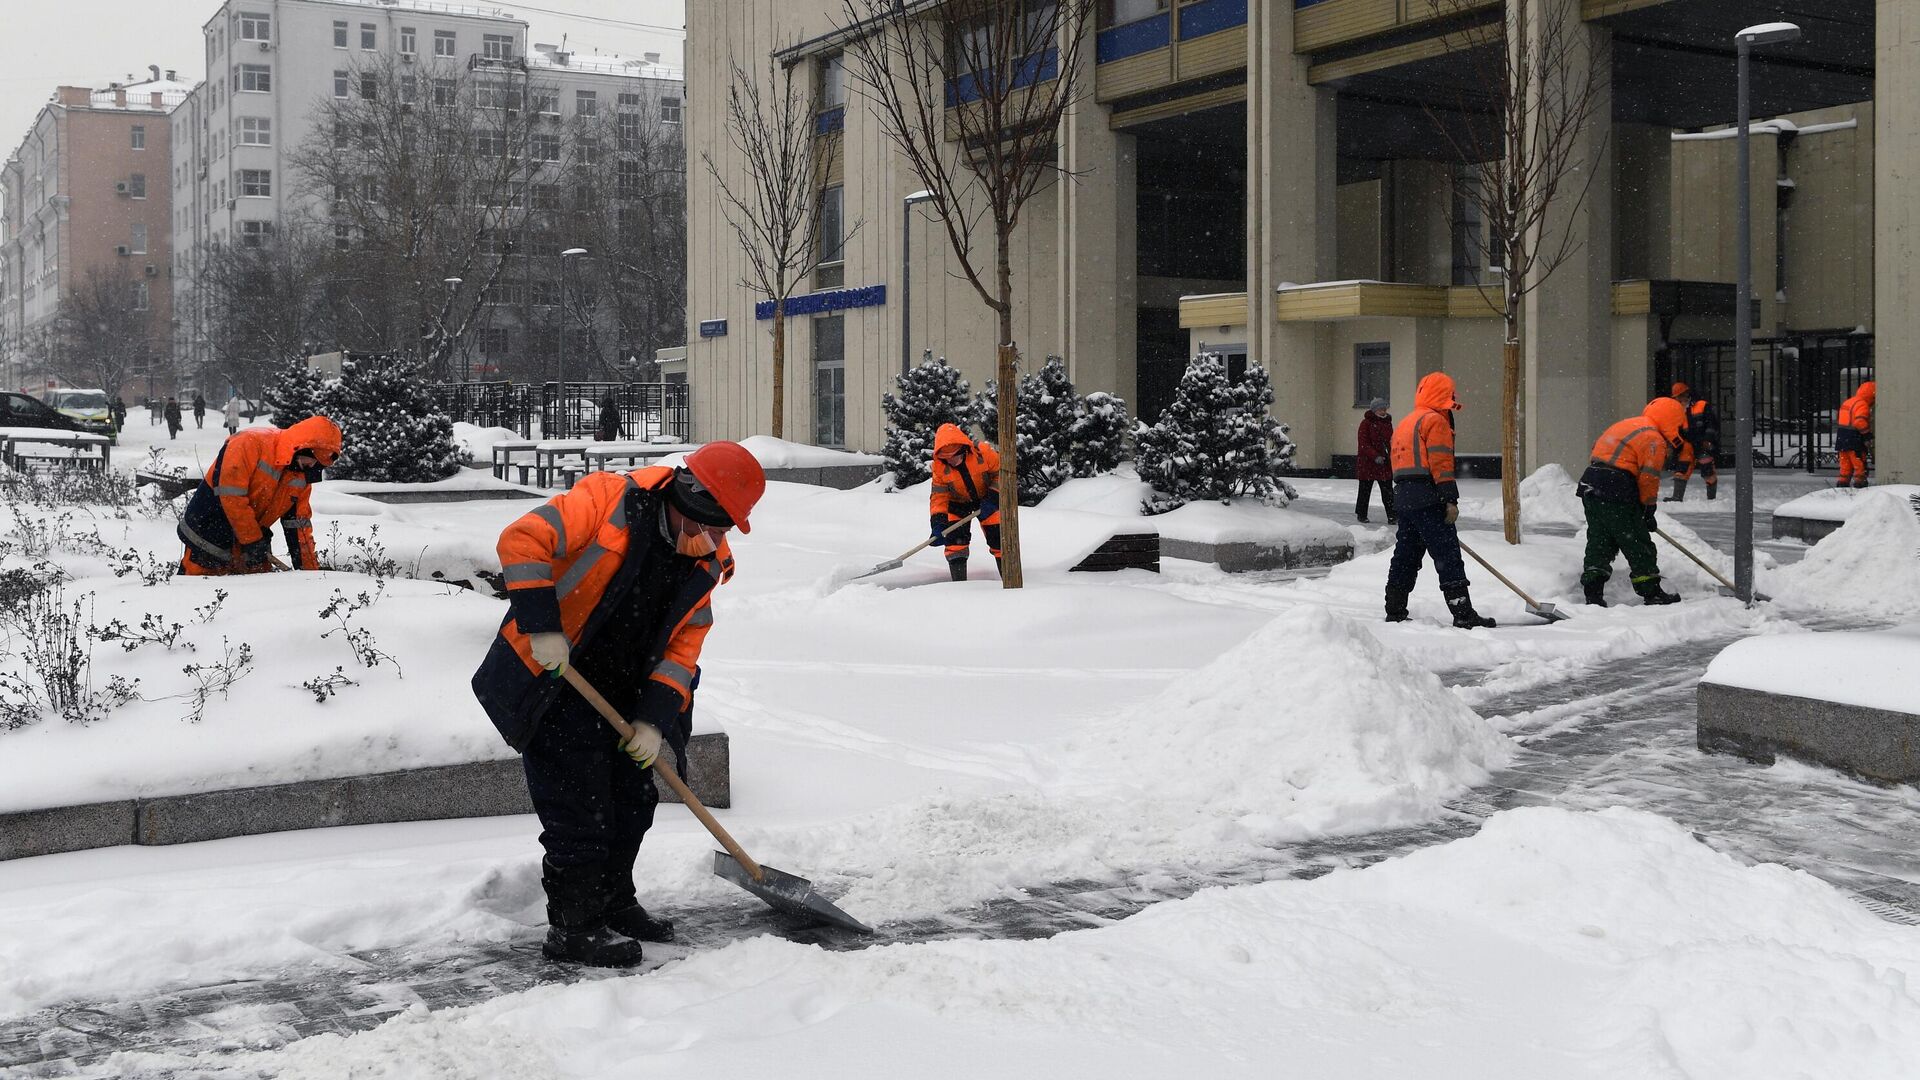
(482, 789)
(1874, 744)
(1811, 530)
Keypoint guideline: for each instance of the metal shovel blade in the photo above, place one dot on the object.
(787, 894)
(1548, 612)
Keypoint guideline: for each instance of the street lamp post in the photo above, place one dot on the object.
(560, 367)
(906, 278)
(453, 288)
(1763, 34)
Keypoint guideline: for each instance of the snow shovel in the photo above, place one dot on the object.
(1726, 587)
(1534, 607)
(783, 892)
(895, 564)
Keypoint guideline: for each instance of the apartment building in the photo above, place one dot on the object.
(1267, 179)
(85, 196)
(272, 65)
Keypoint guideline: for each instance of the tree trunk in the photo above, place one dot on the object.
(1006, 372)
(1510, 431)
(778, 428)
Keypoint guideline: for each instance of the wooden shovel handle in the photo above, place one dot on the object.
(1682, 549)
(679, 786)
(928, 542)
(1503, 578)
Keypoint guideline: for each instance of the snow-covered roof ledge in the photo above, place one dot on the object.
(1766, 127)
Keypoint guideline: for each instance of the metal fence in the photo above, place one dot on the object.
(1798, 384)
(647, 410)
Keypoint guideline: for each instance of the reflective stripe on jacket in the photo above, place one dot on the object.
(251, 485)
(569, 562)
(1627, 462)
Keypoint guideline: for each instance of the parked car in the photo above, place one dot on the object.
(20, 410)
(86, 408)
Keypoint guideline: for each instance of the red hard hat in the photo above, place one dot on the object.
(732, 476)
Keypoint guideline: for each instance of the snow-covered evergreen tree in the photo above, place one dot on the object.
(1216, 440)
(930, 395)
(296, 393)
(1100, 427)
(394, 432)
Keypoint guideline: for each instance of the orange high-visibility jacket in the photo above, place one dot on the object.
(1422, 447)
(979, 472)
(566, 564)
(256, 485)
(1640, 446)
(1856, 413)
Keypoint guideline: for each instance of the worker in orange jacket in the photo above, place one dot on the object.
(616, 576)
(1699, 444)
(1854, 439)
(262, 476)
(966, 478)
(1427, 500)
(1620, 490)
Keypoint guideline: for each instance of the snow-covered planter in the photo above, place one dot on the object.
(1817, 515)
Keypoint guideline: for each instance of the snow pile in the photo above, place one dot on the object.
(1869, 567)
(1882, 667)
(478, 441)
(1547, 497)
(1208, 772)
(1118, 494)
(1248, 521)
(774, 453)
(1663, 958)
(1840, 504)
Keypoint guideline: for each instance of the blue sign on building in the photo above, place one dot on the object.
(713, 328)
(831, 300)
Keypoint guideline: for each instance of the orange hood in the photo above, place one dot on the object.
(1436, 393)
(1668, 415)
(950, 435)
(315, 433)
(1867, 391)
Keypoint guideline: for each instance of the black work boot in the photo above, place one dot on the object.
(576, 910)
(957, 569)
(1461, 604)
(1596, 592)
(1679, 490)
(634, 922)
(1713, 488)
(1396, 604)
(1653, 595)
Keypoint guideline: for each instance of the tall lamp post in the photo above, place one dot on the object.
(1774, 33)
(906, 278)
(453, 289)
(560, 368)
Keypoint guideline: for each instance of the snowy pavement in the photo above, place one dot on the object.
(1114, 824)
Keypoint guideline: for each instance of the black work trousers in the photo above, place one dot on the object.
(1425, 532)
(595, 806)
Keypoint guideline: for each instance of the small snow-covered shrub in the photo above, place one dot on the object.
(1215, 441)
(1100, 426)
(930, 395)
(393, 430)
(54, 672)
(296, 393)
(1061, 434)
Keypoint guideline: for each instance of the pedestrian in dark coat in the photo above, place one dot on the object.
(199, 410)
(172, 414)
(1370, 464)
(118, 410)
(609, 426)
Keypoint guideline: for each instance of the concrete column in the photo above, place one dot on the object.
(1290, 223)
(1567, 318)
(1896, 249)
(1642, 202)
(1097, 281)
(1420, 201)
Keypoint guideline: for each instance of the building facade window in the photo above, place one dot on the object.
(444, 43)
(444, 91)
(629, 100)
(255, 78)
(627, 179)
(545, 145)
(493, 340)
(830, 381)
(546, 197)
(137, 185)
(256, 131)
(142, 296)
(546, 102)
(370, 86)
(256, 183)
(256, 26)
(496, 47)
(340, 34)
(138, 242)
(628, 129)
(586, 103)
(139, 137)
(1372, 372)
(833, 82)
(409, 42)
(340, 84)
(369, 37)
(254, 234)
(1121, 12)
(833, 240)
(669, 110)
(342, 237)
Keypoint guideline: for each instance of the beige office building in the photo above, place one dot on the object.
(1269, 179)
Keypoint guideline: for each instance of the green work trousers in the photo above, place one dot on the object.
(1615, 528)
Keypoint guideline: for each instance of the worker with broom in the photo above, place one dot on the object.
(1428, 503)
(1620, 491)
(966, 479)
(614, 575)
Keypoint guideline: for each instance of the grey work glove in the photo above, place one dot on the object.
(1453, 513)
(550, 650)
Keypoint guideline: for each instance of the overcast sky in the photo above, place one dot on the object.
(48, 43)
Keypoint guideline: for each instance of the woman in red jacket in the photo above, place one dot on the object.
(1372, 466)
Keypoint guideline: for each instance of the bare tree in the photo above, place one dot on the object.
(972, 93)
(1518, 124)
(265, 301)
(772, 209)
(105, 329)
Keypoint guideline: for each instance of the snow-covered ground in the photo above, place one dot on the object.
(917, 746)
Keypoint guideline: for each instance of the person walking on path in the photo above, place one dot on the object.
(172, 413)
(1699, 444)
(615, 575)
(1619, 491)
(1854, 439)
(609, 427)
(1371, 464)
(118, 411)
(262, 476)
(966, 479)
(199, 410)
(1428, 499)
(232, 414)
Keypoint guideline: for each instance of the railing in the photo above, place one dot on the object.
(647, 410)
(1798, 384)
